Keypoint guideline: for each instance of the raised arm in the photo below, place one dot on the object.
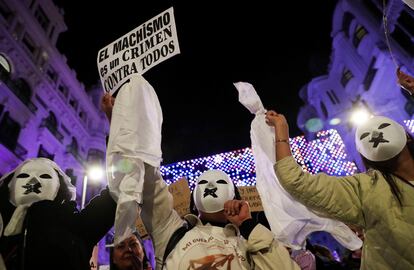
(337, 197)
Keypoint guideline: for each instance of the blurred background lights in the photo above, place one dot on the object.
(334, 121)
(359, 116)
(324, 154)
(95, 173)
(314, 125)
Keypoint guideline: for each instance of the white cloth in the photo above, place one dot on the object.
(134, 139)
(290, 221)
(409, 3)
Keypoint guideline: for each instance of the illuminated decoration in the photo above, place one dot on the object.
(410, 125)
(324, 154)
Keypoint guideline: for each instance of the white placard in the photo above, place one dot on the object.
(138, 51)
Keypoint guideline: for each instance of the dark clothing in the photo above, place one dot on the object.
(58, 235)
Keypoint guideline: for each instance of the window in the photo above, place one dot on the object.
(406, 21)
(51, 124)
(324, 110)
(5, 11)
(51, 73)
(73, 147)
(346, 77)
(403, 39)
(373, 9)
(29, 44)
(63, 89)
(369, 77)
(82, 116)
(346, 22)
(332, 96)
(10, 130)
(24, 91)
(42, 18)
(360, 33)
(51, 120)
(73, 103)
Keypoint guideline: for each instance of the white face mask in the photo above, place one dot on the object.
(212, 190)
(34, 181)
(380, 139)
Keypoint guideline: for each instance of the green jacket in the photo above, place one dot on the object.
(363, 199)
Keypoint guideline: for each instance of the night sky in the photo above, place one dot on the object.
(277, 47)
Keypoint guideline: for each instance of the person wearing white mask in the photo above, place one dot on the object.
(222, 236)
(380, 201)
(42, 227)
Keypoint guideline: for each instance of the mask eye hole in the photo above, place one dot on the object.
(46, 176)
(202, 182)
(364, 135)
(22, 175)
(221, 181)
(383, 125)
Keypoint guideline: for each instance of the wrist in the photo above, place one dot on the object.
(246, 227)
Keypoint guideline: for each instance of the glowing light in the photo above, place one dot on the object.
(314, 125)
(324, 154)
(335, 121)
(95, 173)
(218, 159)
(359, 116)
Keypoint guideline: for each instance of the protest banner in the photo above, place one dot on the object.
(250, 194)
(138, 51)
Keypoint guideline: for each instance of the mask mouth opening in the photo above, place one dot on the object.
(210, 192)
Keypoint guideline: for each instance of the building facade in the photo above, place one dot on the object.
(44, 110)
(362, 70)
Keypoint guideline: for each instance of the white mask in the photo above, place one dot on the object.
(34, 181)
(212, 190)
(380, 139)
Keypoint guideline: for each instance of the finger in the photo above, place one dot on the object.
(230, 207)
(233, 208)
(237, 206)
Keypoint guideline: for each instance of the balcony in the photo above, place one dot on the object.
(53, 129)
(74, 151)
(14, 147)
(17, 89)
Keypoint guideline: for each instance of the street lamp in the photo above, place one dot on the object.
(359, 116)
(95, 174)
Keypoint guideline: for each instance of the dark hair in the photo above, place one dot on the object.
(63, 194)
(193, 208)
(6, 208)
(388, 167)
(145, 262)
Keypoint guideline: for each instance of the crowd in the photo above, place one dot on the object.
(41, 227)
